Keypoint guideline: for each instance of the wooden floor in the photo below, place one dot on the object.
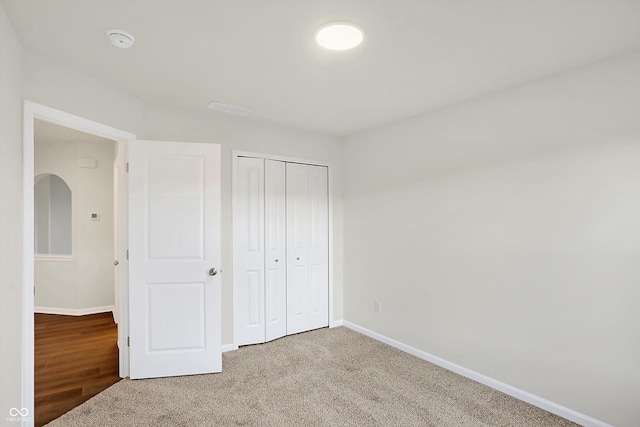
(76, 357)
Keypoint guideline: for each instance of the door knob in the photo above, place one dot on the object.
(213, 271)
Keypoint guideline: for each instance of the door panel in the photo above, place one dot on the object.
(307, 247)
(254, 299)
(175, 190)
(248, 291)
(174, 229)
(297, 277)
(275, 244)
(318, 251)
(169, 331)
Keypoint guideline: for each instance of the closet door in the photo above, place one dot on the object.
(248, 278)
(307, 247)
(275, 250)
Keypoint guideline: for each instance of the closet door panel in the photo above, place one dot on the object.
(318, 252)
(297, 234)
(307, 248)
(249, 274)
(275, 249)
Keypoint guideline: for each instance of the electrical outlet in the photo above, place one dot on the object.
(377, 306)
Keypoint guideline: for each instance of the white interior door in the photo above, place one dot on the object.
(174, 241)
(275, 250)
(307, 247)
(248, 290)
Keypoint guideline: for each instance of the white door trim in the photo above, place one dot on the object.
(32, 111)
(235, 154)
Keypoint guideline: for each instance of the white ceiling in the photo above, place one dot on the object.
(417, 56)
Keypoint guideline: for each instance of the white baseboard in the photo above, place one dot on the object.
(547, 405)
(336, 323)
(73, 311)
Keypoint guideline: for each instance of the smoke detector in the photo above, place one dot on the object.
(121, 39)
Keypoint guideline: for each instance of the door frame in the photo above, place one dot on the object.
(32, 111)
(235, 154)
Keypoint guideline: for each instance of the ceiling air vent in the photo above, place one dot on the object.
(231, 109)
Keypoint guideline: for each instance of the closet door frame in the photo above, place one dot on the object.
(236, 154)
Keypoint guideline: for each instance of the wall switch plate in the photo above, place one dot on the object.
(377, 306)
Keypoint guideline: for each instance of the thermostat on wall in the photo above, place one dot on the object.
(95, 217)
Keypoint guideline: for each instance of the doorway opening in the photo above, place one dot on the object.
(76, 353)
(74, 223)
(35, 118)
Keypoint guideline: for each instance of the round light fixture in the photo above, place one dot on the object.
(121, 39)
(339, 36)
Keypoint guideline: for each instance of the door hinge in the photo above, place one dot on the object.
(128, 341)
(127, 167)
(34, 291)
(127, 254)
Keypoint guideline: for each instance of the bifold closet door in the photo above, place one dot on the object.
(275, 250)
(249, 290)
(307, 247)
(260, 288)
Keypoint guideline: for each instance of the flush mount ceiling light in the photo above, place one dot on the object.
(339, 35)
(121, 39)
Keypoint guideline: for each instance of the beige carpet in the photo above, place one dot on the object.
(327, 377)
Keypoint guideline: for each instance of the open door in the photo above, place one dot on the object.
(174, 258)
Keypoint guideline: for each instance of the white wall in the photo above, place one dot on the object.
(88, 280)
(58, 86)
(503, 235)
(10, 219)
